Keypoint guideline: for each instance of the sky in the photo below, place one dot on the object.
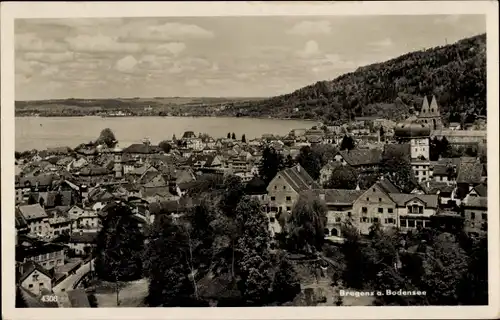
(213, 56)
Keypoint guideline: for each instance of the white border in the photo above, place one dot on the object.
(11, 10)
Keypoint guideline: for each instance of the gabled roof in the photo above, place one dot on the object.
(477, 202)
(31, 266)
(44, 180)
(432, 187)
(402, 150)
(337, 196)
(141, 148)
(470, 172)
(482, 190)
(20, 222)
(78, 298)
(387, 186)
(298, 178)
(83, 237)
(357, 157)
(32, 211)
(402, 199)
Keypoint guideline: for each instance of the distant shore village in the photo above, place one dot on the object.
(62, 193)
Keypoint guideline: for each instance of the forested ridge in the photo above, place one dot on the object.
(455, 74)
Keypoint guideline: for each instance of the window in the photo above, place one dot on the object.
(288, 208)
(379, 199)
(284, 187)
(420, 223)
(411, 223)
(275, 187)
(30, 286)
(380, 210)
(375, 220)
(273, 198)
(349, 214)
(288, 198)
(484, 216)
(390, 220)
(390, 210)
(272, 219)
(373, 190)
(367, 199)
(365, 209)
(41, 284)
(35, 277)
(473, 216)
(403, 223)
(337, 219)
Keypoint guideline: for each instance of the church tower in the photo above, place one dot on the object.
(429, 114)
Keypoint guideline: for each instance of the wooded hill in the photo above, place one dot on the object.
(455, 74)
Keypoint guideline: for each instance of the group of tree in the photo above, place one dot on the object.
(231, 136)
(107, 137)
(455, 74)
(443, 149)
(430, 261)
(224, 237)
(165, 146)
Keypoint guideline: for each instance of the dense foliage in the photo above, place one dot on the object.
(455, 74)
(310, 160)
(270, 164)
(107, 137)
(119, 245)
(343, 177)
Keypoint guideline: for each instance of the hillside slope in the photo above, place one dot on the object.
(455, 73)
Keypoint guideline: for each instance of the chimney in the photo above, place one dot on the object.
(298, 168)
(357, 187)
(381, 177)
(427, 184)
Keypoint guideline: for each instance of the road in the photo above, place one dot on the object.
(68, 283)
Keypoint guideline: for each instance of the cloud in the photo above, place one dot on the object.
(311, 49)
(101, 43)
(31, 42)
(174, 48)
(167, 32)
(49, 57)
(305, 28)
(126, 64)
(385, 43)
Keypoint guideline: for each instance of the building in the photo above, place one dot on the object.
(476, 215)
(284, 190)
(36, 219)
(417, 136)
(35, 278)
(339, 203)
(48, 255)
(414, 210)
(82, 242)
(375, 205)
(429, 115)
(363, 159)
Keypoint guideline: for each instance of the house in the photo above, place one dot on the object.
(21, 224)
(375, 205)
(48, 255)
(454, 126)
(340, 209)
(36, 219)
(364, 159)
(204, 161)
(88, 221)
(476, 215)
(481, 190)
(81, 242)
(59, 221)
(326, 172)
(414, 210)
(284, 190)
(35, 278)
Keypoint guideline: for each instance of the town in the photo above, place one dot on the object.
(313, 195)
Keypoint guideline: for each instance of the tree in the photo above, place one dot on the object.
(343, 177)
(382, 133)
(446, 149)
(307, 224)
(326, 152)
(20, 301)
(310, 161)
(165, 146)
(229, 135)
(289, 162)
(397, 168)
(253, 248)
(270, 164)
(233, 191)
(473, 287)
(31, 199)
(347, 143)
(233, 136)
(107, 137)
(351, 248)
(286, 284)
(58, 200)
(435, 149)
(119, 245)
(243, 138)
(166, 265)
(174, 138)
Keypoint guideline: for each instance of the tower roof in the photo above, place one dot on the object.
(429, 111)
(411, 130)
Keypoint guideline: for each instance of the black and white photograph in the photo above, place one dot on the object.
(250, 160)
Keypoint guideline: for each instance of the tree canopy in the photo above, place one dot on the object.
(310, 160)
(270, 164)
(107, 137)
(307, 224)
(343, 177)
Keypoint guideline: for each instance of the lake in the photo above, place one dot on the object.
(44, 132)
